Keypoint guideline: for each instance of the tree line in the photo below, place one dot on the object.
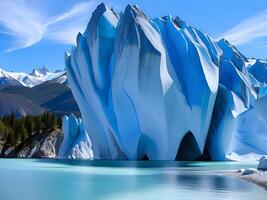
(16, 130)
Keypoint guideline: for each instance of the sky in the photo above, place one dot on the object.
(36, 33)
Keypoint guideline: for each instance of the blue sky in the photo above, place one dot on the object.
(35, 33)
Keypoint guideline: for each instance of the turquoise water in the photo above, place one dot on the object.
(107, 180)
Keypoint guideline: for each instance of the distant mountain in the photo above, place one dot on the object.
(40, 72)
(40, 75)
(44, 89)
(36, 77)
(38, 94)
(58, 70)
(62, 79)
(31, 81)
(7, 80)
(20, 106)
(64, 103)
(51, 96)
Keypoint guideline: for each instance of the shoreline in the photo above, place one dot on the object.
(258, 179)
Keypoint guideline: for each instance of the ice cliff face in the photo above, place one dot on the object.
(163, 90)
(76, 143)
(239, 127)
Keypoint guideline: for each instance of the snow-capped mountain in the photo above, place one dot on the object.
(164, 90)
(40, 72)
(62, 79)
(36, 77)
(7, 80)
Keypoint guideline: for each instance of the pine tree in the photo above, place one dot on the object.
(3, 130)
(2, 127)
(16, 132)
(48, 121)
(29, 124)
(11, 139)
(22, 132)
(38, 123)
(59, 120)
(5, 120)
(12, 120)
(53, 121)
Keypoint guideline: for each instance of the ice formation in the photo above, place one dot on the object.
(163, 90)
(263, 164)
(250, 171)
(76, 143)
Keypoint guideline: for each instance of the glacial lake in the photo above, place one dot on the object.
(108, 180)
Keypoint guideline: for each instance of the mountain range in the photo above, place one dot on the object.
(36, 77)
(31, 94)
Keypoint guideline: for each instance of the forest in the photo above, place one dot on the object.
(16, 130)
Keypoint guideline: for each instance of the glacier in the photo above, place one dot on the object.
(76, 143)
(161, 89)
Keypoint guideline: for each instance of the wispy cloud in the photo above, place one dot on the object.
(64, 28)
(252, 28)
(77, 10)
(24, 24)
(28, 24)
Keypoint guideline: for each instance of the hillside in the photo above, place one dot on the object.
(38, 94)
(51, 96)
(17, 104)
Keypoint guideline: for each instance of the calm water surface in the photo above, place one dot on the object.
(107, 180)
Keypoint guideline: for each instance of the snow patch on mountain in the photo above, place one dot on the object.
(62, 79)
(40, 72)
(36, 77)
(8, 80)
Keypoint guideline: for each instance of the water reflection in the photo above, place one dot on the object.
(190, 181)
(71, 180)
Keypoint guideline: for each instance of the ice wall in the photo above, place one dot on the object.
(76, 143)
(144, 87)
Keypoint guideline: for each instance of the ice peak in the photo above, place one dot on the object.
(223, 41)
(67, 55)
(179, 22)
(225, 44)
(134, 10)
(100, 9)
(101, 12)
(78, 38)
(230, 50)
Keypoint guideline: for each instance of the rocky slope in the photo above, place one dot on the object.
(40, 145)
